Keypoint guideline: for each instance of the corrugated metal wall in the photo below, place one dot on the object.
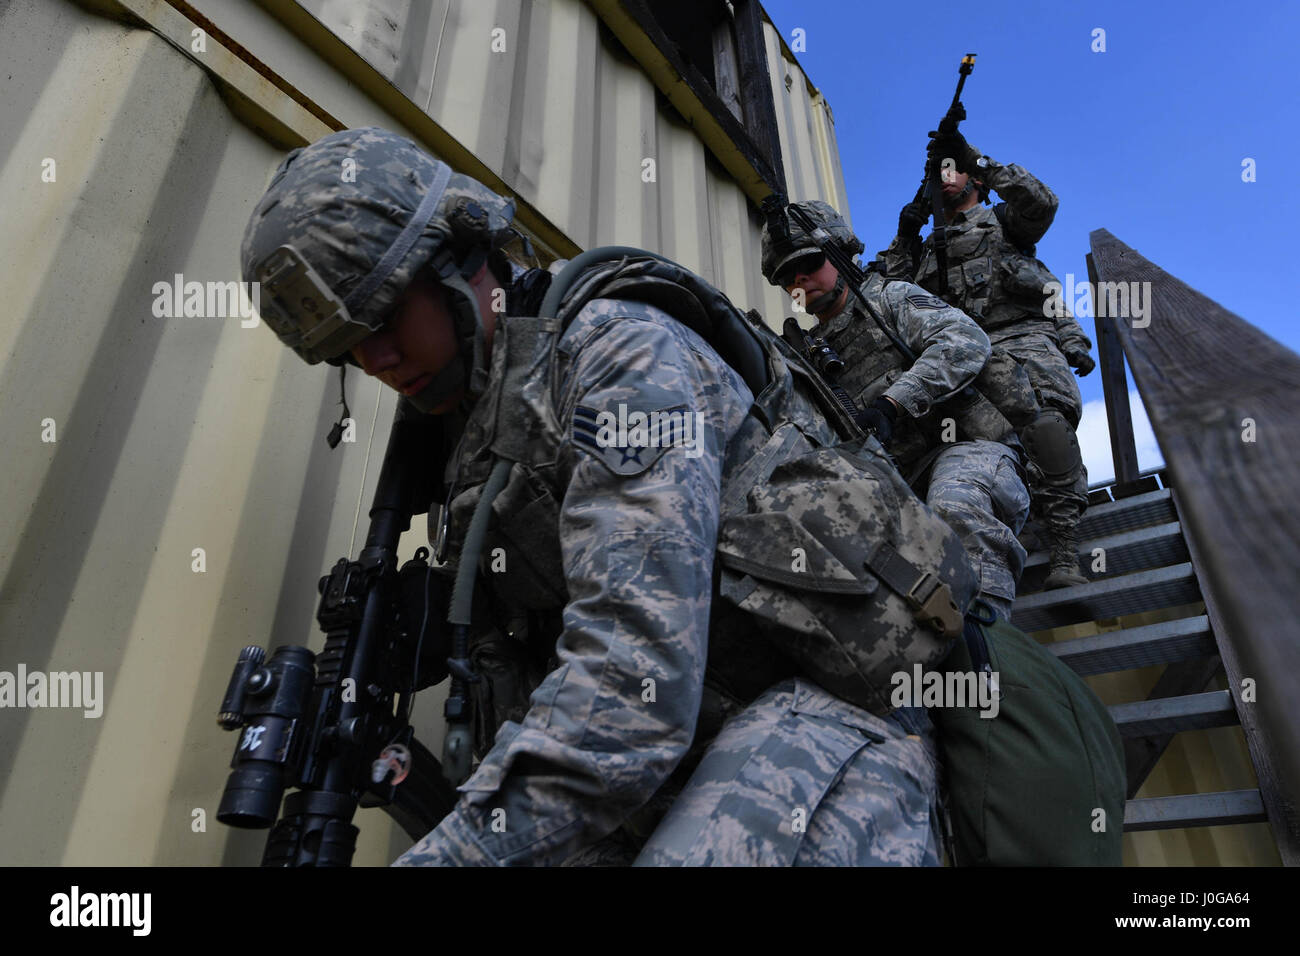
(131, 440)
(176, 434)
(567, 119)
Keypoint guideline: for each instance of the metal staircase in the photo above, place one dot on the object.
(1147, 567)
(1214, 554)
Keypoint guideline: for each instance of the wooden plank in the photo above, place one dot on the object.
(636, 26)
(756, 85)
(1114, 389)
(1208, 378)
(1109, 597)
(1277, 802)
(1135, 647)
(1193, 810)
(1141, 754)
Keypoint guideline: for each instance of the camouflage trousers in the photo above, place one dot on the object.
(1058, 504)
(1048, 371)
(977, 489)
(801, 778)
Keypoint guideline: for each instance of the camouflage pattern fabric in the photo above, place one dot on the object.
(350, 196)
(1059, 504)
(605, 729)
(1005, 291)
(1037, 353)
(982, 497)
(824, 525)
(636, 536)
(599, 556)
(989, 276)
(802, 778)
(950, 350)
(977, 489)
(775, 255)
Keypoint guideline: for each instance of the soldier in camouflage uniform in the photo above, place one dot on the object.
(994, 278)
(603, 656)
(973, 483)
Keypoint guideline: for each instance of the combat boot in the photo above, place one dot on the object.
(1065, 560)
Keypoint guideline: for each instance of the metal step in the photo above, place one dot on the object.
(1171, 715)
(1157, 546)
(1152, 507)
(1109, 597)
(1135, 647)
(1194, 810)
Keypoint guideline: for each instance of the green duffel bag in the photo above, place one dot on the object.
(1025, 786)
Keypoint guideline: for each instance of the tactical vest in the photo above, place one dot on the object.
(1002, 398)
(989, 278)
(789, 440)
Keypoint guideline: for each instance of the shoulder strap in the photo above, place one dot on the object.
(756, 353)
(624, 272)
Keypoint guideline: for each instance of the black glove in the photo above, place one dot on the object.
(879, 419)
(954, 145)
(911, 219)
(1080, 361)
(955, 114)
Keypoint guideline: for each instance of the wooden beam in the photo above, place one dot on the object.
(1221, 395)
(1114, 388)
(756, 86)
(633, 23)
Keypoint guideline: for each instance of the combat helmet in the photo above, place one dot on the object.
(785, 241)
(344, 227)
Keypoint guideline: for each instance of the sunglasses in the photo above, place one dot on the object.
(804, 265)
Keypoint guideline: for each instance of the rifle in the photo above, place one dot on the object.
(325, 724)
(931, 189)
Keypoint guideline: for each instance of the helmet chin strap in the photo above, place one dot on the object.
(956, 199)
(443, 387)
(828, 299)
(470, 340)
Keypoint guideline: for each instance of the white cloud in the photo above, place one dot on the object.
(1094, 440)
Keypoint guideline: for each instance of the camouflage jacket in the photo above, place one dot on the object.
(614, 546)
(950, 351)
(990, 277)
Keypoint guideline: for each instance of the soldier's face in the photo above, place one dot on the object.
(417, 342)
(954, 182)
(816, 285)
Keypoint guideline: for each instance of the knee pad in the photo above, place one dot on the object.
(1051, 444)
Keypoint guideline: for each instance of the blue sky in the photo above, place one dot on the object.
(1146, 139)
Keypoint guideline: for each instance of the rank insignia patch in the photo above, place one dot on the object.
(629, 442)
